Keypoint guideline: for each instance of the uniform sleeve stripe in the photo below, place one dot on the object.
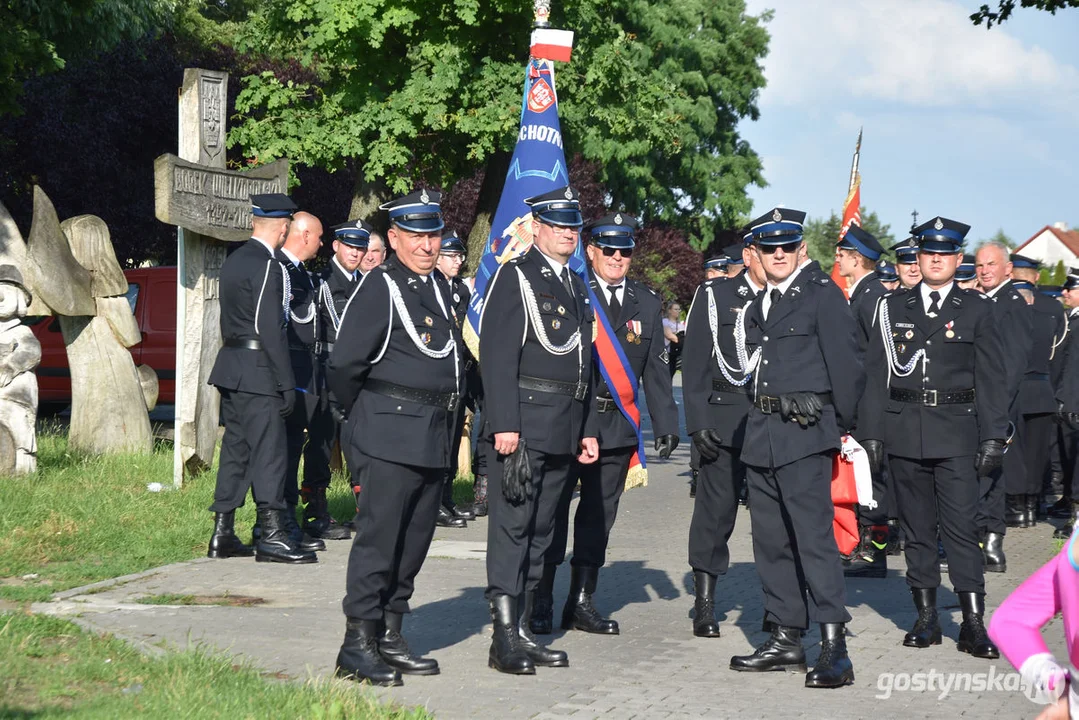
(258, 305)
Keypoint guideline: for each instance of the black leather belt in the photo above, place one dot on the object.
(720, 386)
(327, 347)
(447, 401)
(932, 398)
(243, 344)
(1037, 376)
(605, 405)
(303, 347)
(578, 391)
(768, 405)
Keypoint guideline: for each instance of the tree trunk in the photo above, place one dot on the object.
(366, 198)
(494, 179)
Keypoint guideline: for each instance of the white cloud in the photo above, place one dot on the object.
(909, 52)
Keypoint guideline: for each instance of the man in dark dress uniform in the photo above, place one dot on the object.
(1037, 404)
(633, 313)
(335, 285)
(1014, 320)
(856, 255)
(536, 363)
(1067, 437)
(806, 387)
(936, 402)
(258, 388)
(396, 371)
(451, 259)
(887, 274)
(906, 263)
(716, 392)
(301, 244)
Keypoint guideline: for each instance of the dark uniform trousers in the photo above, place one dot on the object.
(719, 482)
(602, 484)
(311, 414)
(808, 344)
(551, 423)
(863, 305)
(398, 449)
(251, 371)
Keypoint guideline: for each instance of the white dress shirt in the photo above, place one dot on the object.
(927, 302)
(438, 295)
(783, 287)
(350, 275)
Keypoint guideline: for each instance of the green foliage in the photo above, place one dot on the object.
(998, 237)
(54, 669)
(1053, 276)
(431, 90)
(41, 37)
(822, 235)
(1006, 7)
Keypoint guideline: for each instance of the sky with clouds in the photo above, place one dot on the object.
(978, 126)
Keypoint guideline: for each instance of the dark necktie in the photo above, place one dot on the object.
(775, 295)
(566, 283)
(934, 305)
(616, 305)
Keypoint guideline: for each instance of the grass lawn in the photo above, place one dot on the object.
(81, 519)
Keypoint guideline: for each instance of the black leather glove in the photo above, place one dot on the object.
(288, 398)
(517, 475)
(990, 456)
(874, 450)
(324, 401)
(1071, 421)
(665, 445)
(707, 442)
(803, 407)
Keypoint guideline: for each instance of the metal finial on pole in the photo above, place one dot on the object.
(854, 163)
(914, 220)
(543, 13)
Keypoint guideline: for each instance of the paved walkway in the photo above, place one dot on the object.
(654, 669)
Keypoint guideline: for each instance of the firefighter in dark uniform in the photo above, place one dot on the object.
(451, 259)
(536, 364)
(936, 403)
(302, 244)
(857, 255)
(966, 276)
(634, 313)
(887, 275)
(715, 268)
(1014, 320)
(716, 389)
(1037, 404)
(1067, 436)
(396, 371)
(335, 285)
(806, 382)
(258, 389)
(906, 262)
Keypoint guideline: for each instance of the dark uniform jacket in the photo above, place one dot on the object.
(335, 288)
(809, 344)
(1014, 319)
(511, 349)
(303, 325)
(863, 305)
(1060, 354)
(253, 308)
(382, 343)
(1048, 328)
(723, 410)
(639, 319)
(1067, 360)
(963, 351)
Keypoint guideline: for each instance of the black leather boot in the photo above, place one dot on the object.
(302, 539)
(1033, 509)
(540, 655)
(447, 519)
(993, 552)
(274, 543)
(317, 522)
(895, 547)
(1062, 509)
(465, 512)
(833, 668)
(394, 649)
(1064, 531)
(224, 543)
(506, 653)
(926, 630)
(973, 637)
(542, 615)
(1015, 511)
(704, 605)
(870, 559)
(578, 612)
(782, 651)
(479, 490)
(359, 659)
(693, 483)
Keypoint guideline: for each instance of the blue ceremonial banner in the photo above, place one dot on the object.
(538, 166)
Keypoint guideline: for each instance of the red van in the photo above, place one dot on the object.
(152, 294)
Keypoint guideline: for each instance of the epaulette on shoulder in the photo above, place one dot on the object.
(823, 279)
(708, 283)
(516, 260)
(650, 290)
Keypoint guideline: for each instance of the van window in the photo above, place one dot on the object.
(132, 296)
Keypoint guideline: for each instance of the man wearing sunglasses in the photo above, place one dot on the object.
(536, 363)
(632, 312)
(807, 379)
(936, 401)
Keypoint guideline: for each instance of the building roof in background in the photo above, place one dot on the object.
(1068, 238)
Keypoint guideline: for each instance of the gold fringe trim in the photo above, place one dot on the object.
(636, 477)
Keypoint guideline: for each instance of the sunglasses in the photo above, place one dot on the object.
(610, 251)
(788, 248)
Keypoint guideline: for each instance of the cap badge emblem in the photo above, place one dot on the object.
(569, 193)
(617, 219)
(777, 216)
(938, 225)
(424, 197)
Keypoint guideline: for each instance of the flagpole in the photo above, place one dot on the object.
(854, 162)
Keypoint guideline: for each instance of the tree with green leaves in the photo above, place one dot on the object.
(991, 17)
(1000, 237)
(822, 235)
(426, 91)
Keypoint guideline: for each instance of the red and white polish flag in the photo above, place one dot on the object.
(548, 44)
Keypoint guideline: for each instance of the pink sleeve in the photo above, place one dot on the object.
(1016, 625)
